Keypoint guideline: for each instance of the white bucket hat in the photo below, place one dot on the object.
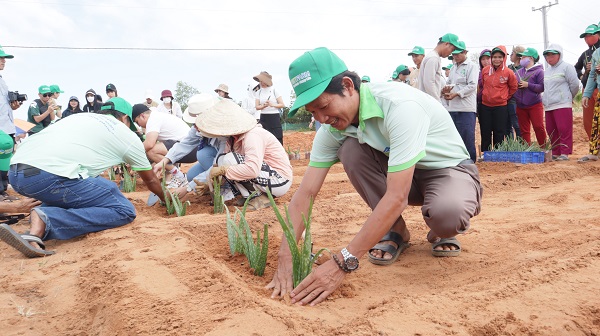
(225, 118)
(198, 104)
(222, 87)
(148, 94)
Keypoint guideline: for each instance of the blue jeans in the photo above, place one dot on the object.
(206, 157)
(74, 207)
(465, 124)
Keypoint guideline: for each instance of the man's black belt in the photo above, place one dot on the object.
(26, 169)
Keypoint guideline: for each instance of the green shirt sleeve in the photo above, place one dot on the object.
(407, 130)
(325, 147)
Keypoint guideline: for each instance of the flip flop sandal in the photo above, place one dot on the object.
(21, 242)
(587, 158)
(446, 253)
(394, 251)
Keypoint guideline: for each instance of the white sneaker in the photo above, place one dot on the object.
(177, 182)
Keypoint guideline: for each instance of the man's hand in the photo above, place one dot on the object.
(282, 282)
(217, 171)
(23, 205)
(588, 66)
(15, 104)
(317, 286)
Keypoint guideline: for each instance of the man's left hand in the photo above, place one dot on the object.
(15, 104)
(319, 284)
(523, 84)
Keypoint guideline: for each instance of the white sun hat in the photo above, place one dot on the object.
(198, 104)
(225, 118)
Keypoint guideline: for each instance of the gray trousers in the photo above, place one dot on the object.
(448, 197)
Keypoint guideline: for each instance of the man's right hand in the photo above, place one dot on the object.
(15, 104)
(282, 282)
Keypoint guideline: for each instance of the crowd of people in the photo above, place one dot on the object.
(409, 141)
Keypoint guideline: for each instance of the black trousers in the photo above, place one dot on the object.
(492, 124)
(272, 123)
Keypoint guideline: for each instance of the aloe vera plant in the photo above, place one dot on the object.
(302, 256)
(241, 239)
(129, 180)
(218, 202)
(111, 173)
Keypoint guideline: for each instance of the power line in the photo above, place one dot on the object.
(227, 49)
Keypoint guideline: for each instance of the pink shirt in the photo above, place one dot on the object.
(259, 145)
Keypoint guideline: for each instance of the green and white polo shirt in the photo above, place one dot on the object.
(407, 125)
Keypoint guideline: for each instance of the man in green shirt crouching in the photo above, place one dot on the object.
(398, 147)
(65, 177)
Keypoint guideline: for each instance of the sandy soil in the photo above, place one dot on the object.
(530, 266)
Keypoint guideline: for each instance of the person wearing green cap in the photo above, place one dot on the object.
(417, 54)
(389, 138)
(591, 89)
(41, 112)
(366, 79)
(430, 76)
(56, 91)
(401, 74)
(460, 95)
(512, 127)
(447, 69)
(7, 123)
(75, 199)
(591, 35)
(530, 110)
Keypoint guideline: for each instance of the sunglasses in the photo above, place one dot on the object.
(47, 95)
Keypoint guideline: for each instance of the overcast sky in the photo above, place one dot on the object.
(235, 40)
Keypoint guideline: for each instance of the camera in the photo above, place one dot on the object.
(16, 96)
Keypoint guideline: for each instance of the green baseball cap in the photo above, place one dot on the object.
(447, 67)
(6, 150)
(44, 89)
(5, 55)
(55, 88)
(417, 50)
(529, 52)
(551, 51)
(366, 79)
(121, 105)
(401, 68)
(590, 30)
(311, 73)
(452, 39)
(394, 75)
(462, 48)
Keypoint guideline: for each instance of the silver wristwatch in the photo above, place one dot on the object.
(350, 261)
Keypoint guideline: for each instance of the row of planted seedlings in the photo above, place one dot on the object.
(241, 240)
(127, 178)
(295, 154)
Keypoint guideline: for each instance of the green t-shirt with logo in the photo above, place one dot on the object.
(83, 145)
(407, 125)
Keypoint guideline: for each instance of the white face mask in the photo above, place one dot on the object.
(90, 99)
(167, 100)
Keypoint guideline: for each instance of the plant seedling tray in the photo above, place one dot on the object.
(516, 157)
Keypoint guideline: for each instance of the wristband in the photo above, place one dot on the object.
(339, 263)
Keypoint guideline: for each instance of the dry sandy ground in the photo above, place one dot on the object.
(530, 266)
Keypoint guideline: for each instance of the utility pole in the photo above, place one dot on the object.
(544, 9)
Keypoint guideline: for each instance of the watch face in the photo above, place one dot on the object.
(351, 263)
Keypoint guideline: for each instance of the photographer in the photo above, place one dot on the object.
(41, 112)
(7, 124)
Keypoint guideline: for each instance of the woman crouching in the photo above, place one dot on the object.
(257, 160)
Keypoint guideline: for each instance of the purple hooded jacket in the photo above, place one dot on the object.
(531, 95)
